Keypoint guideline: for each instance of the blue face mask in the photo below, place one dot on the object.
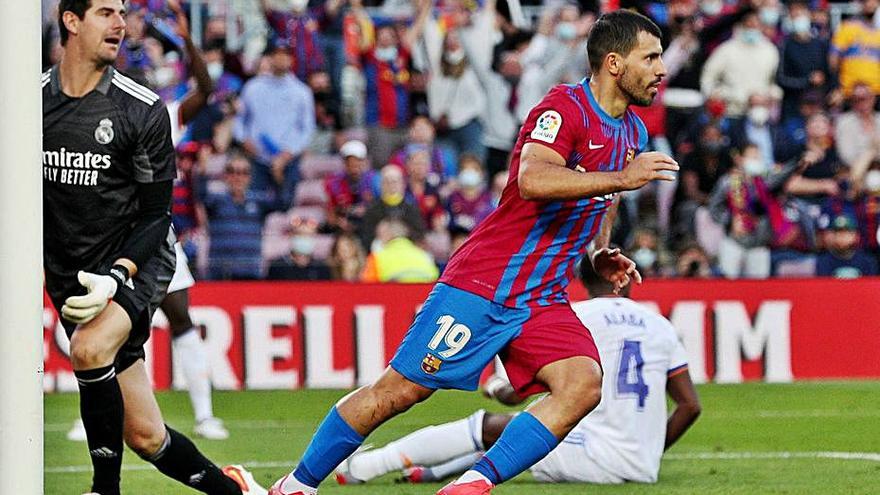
(566, 31)
(769, 17)
(751, 36)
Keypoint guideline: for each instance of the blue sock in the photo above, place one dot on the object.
(334, 441)
(524, 442)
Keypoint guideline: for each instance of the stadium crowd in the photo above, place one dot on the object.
(361, 141)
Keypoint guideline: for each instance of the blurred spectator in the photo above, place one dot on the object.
(420, 191)
(645, 252)
(350, 191)
(843, 258)
(398, 259)
(391, 204)
(855, 50)
(235, 223)
(326, 114)
(183, 206)
(741, 202)
(331, 16)
(818, 180)
(472, 201)
(132, 56)
(804, 59)
(455, 97)
(499, 182)
(276, 122)
(298, 31)
(385, 66)
(792, 134)
(421, 136)
(700, 171)
(858, 129)
(757, 128)
(300, 263)
(692, 262)
(347, 258)
(742, 66)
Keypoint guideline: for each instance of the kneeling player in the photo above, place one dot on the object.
(622, 440)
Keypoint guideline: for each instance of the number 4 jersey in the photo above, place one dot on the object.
(639, 351)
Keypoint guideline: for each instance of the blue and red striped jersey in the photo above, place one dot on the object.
(524, 253)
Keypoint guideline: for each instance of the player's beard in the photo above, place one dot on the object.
(635, 93)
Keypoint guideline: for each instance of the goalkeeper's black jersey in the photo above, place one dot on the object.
(96, 149)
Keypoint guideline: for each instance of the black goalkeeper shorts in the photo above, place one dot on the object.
(150, 285)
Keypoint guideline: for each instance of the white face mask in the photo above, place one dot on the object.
(164, 76)
(215, 70)
(470, 178)
(754, 167)
(801, 24)
(644, 257)
(759, 115)
(455, 56)
(387, 54)
(711, 7)
(769, 17)
(302, 244)
(872, 180)
(299, 5)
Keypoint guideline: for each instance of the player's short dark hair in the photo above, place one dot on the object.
(617, 32)
(78, 7)
(596, 285)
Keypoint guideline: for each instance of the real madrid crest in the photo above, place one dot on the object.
(104, 133)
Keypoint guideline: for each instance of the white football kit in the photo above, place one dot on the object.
(623, 438)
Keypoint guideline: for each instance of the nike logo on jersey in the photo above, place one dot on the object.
(595, 146)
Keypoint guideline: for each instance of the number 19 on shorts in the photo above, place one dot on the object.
(454, 335)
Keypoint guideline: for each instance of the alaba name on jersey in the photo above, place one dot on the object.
(639, 350)
(523, 254)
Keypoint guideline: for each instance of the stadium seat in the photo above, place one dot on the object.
(320, 166)
(310, 193)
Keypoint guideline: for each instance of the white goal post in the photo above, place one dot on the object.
(21, 248)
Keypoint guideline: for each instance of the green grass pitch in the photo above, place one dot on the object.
(805, 438)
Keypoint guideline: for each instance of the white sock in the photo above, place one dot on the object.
(471, 475)
(190, 355)
(291, 484)
(453, 467)
(426, 447)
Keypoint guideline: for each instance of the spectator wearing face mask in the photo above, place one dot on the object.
(858, 129)
(472, 201)
(743, 202)
(742, 66)
(757, 127)
(855, 50)
(422, 136)
(645, 253)
(803, 64)
(349, 191)
(455, 97)
(793, 130)
(842, 257)
(391, 204)
(300, 263)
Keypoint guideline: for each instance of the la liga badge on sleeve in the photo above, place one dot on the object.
(547, 126)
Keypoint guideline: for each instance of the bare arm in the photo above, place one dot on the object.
(195, 100)
(415, 32)
(543, 175)
(687, 406)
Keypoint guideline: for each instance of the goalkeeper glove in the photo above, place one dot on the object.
(101, 289)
